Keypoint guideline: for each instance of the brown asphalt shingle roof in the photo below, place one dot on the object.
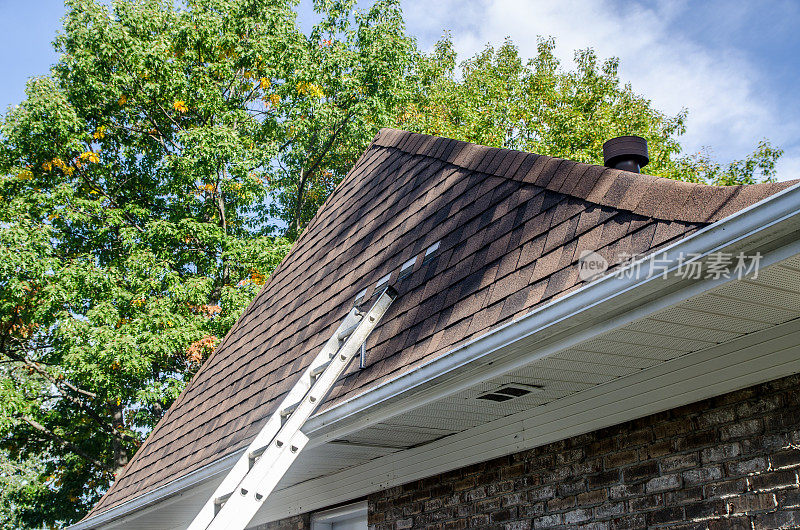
(511, 226)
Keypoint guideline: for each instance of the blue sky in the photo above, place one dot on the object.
(733, 64)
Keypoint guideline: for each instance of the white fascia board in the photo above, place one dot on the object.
(584, 313)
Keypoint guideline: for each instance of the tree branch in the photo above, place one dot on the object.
(59, 384)
(114, 203)
(314, 165)
(63, 441)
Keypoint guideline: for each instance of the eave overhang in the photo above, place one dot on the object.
(770, 228)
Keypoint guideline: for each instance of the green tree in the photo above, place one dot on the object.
(496, 98)
(141, 185)
(349, 81)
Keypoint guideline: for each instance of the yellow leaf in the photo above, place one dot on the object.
(25, 174)
(122, 100)
(316, 91)
(310, 89)
(90, 157)
(180, 106)
(264, 83)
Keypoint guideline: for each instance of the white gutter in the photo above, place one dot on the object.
(771, 226)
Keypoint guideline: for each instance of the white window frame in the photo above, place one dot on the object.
(325, 519)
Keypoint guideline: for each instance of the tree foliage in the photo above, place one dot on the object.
(142, 183)
(496, 98)
(350, 80)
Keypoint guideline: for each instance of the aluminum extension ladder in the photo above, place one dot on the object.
(269, 456)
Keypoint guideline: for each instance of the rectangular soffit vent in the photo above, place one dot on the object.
(508, 392)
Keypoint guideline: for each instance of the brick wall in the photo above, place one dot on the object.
(727, 462)
(298, 522)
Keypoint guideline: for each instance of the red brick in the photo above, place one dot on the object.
(592, 497)
(781, 519)
(561, 503)
(729, 523)
(787, 458)
(725, 488)
(663, 483)
(621, 458)
(642, 471)
(678, 462)
(752, 502)
(773, 480)
(702, 475)
(665, 515)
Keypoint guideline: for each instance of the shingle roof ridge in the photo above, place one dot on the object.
(655, 197)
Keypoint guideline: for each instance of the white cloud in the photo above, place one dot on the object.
(789, 167)
(728, 109)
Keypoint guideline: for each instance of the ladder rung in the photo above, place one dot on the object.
(285, 413)
(255, 454)
(348, 331)
(316, 372)
(219, 502)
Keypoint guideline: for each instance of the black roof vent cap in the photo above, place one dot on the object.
(628, 153)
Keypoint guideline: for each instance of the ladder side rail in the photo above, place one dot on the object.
(322, 386)
(239, 519)
(271, 428)
(266, 473)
